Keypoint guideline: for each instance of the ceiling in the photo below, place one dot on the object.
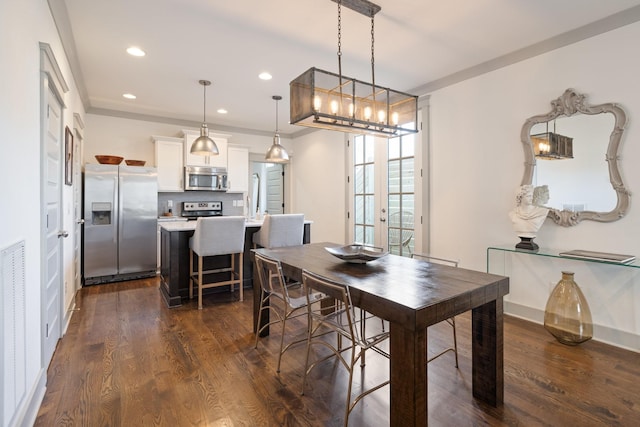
(419, 44)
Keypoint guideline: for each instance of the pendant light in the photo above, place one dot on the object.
(326, 100)
(277, 153)
(203, 145)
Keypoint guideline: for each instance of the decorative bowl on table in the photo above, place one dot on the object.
(109, 160)
(135, 162)
(357, 254)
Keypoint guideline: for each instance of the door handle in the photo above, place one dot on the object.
(383, 219)
(63, 233)
(80, 221)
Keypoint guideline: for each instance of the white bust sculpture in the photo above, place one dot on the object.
(526, 217)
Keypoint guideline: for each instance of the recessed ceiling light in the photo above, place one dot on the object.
(265, 76)
(129, 96)
(222, 111)
(135, 51)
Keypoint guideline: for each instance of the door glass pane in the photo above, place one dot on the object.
(368, 209)
(394, 176)
(407, 176)
(394, 148)
(359, 209)
(369, 148)
(358, 150)
(358, 179)
(369, 178)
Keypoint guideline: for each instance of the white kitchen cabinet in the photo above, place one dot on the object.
(238, 168)
(220, 160)
(169, 163)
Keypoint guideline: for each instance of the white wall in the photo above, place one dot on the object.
(319, 184)
(23, 25)
(477, 162)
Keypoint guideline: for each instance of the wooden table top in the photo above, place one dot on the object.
(410, 292)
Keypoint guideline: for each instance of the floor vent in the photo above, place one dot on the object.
(13, 327)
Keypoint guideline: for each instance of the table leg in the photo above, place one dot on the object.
(487, 352)
(408, 397)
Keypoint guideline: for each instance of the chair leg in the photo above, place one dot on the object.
(455, 339)
(190, 274)
(241, 271)
(262, 297)
(284, 323)
(200, 282)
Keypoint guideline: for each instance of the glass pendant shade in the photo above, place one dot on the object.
(567, 315)
(203, 145)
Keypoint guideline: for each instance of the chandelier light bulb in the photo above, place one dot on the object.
(394, 119)
(317, 103)
(334, 107)
(367, 113)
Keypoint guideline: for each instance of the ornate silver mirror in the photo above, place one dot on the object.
(564, 150)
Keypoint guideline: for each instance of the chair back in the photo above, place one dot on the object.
(218, 236)
(400, 228)
(280, 230)
(341, 316)
(270, 275)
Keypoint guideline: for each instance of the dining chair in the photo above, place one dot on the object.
(341, 317)
(452, 320)
(285, 300)
(216, 236)
(279, 231)
(400, 228)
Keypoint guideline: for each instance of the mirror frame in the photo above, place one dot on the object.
(567, 105)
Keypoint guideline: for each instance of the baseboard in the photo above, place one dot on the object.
(604, 334)
(26, 416)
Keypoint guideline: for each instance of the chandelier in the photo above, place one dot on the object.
(327, 100)
(552, 145)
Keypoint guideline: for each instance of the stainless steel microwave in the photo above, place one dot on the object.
(205, 178)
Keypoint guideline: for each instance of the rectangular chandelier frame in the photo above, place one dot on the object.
(327, 100)
(552, 146)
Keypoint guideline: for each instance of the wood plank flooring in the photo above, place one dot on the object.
(128, 360)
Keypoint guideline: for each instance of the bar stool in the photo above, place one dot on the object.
(280, 230)
(217, 236)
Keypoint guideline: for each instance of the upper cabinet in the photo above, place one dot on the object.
(238, 169)
(216, 161)
(169, 165)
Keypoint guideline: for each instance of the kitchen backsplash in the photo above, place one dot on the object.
(227, 200)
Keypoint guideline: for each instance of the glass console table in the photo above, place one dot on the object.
(552, 253)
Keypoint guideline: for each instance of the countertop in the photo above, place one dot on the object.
(191, 225)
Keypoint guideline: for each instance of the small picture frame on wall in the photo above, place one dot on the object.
(68, 156)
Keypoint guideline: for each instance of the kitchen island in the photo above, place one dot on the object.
(174, 258)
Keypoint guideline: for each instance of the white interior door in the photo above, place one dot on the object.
(275, 188)
(77, 211)
(52, 220)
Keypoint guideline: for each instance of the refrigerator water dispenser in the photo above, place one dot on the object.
(101, 213)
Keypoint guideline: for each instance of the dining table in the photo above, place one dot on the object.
(412, 294)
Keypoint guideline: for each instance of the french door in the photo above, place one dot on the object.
(385, 193)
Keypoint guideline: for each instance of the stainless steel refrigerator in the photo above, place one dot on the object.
(120, 223)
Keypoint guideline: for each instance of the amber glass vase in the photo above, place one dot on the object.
(567, 316)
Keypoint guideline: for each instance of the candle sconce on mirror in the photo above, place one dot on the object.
(581, 186)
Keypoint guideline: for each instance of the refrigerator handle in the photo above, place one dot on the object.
(118, 206)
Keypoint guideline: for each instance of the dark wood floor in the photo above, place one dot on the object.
(128, 360)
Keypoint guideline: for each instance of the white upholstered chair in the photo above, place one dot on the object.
(223, 235)
(280, 230)
(451, 321)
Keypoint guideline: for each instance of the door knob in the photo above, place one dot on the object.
(383, 219)
(63, 233)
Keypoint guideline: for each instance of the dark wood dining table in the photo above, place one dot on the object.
(413, 294)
